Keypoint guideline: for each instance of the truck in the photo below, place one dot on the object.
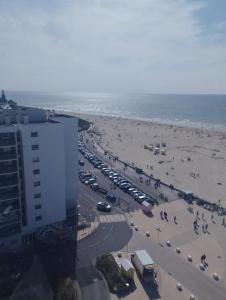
(144, 264)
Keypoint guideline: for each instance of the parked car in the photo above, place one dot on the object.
(94, 186)
(90, 181)
(110, 197)
(102, 206)
(81, 162)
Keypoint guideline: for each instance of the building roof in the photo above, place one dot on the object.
(144, 257)
(126, 264)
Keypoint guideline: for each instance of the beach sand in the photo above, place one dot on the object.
(195, 159)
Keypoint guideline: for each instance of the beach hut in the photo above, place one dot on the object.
(147, 207)
(163, 152)
(127, 269)
(157, 150)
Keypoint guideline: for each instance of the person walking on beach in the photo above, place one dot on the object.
(161, 214)
(212, 217)
(223, 221)
(195, 223)
(203, 217)
(175, 219)
(206, 227)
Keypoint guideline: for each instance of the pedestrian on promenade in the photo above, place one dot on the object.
(212, 217)
(165, 216)
(175, 219)
(223, 221)
(203, 217)
(206, 227)
(161, 214)
(195, 223)
(203, 228)
(197, 214)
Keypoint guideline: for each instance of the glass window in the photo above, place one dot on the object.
(38, 206)
(38, 195)
(35, 159)
(36, 183)
(35, 147)
(38, 218)
(34, 134)
(36, 171)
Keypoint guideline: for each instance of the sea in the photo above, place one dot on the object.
(200, 111)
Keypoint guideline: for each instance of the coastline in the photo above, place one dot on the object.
(195, 158)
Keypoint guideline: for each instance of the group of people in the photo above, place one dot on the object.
(164, 216)
(204, 225)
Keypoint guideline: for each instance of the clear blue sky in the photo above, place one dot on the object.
(157, 46)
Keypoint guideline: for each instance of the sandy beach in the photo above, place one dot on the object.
(195, 159)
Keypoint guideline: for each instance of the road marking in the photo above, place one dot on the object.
(112, 218)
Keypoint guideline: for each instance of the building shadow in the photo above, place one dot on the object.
(151, 288)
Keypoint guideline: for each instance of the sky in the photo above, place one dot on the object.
(138, 46)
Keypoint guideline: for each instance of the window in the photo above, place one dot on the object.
(36, 183)
(38, 218)
(34, 134)
(38, 206)
(35, 147)
(36, 171)
(35, 159)
(38, 195)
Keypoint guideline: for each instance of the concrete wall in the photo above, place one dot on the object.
(52, 173)
(71, 158)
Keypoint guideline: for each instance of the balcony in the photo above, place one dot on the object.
(7, 140)
(8, 194)
(9, 218)
(10, 205)
(10, 230)
(7, 169)
(7, 182)
(7, 155)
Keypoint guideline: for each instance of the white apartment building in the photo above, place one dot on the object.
(38, 175)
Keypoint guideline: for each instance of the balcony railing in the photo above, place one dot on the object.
(10, 230)
(9, 206)
(10, 218)
(8, 182)
(7, 195)
(10, 141)
(7, 156)
(8, 169)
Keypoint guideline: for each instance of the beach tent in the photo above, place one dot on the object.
(163, 151)
(157, 150)
(127, 269)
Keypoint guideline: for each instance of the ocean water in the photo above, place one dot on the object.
(208, 111)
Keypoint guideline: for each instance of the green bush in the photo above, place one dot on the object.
(109, 268)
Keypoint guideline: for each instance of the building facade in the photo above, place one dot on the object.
(38, 176)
